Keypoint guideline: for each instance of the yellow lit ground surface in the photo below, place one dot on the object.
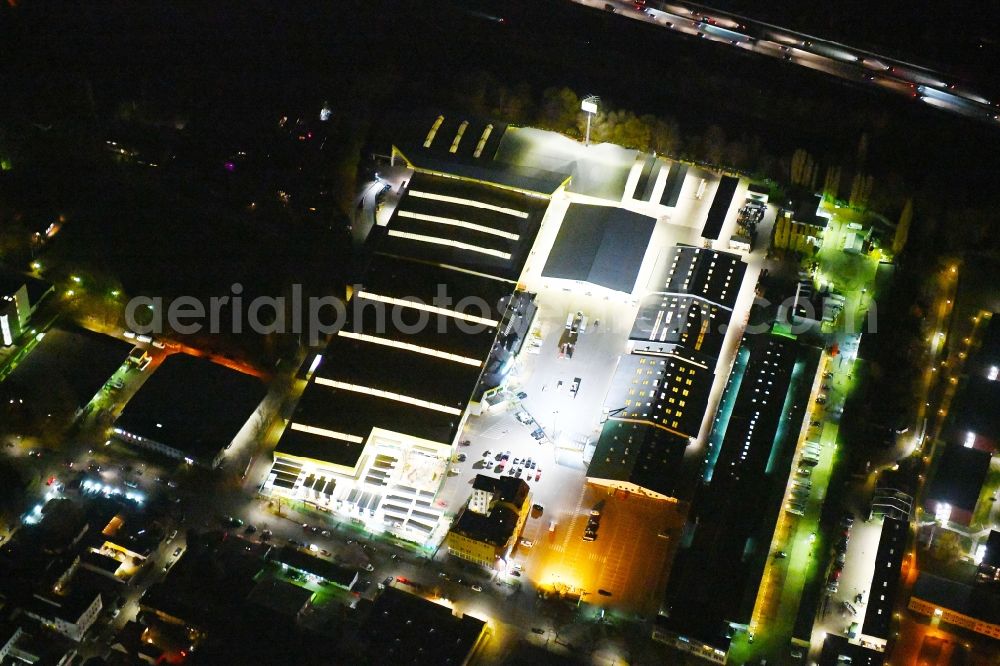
(628, 559)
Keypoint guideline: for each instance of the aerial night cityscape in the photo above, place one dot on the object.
(499, 332)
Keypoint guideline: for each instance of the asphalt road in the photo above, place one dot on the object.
(846, 62)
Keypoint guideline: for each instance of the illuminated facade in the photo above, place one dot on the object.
(19, 296)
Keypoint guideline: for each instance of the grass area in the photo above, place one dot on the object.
(981, 517)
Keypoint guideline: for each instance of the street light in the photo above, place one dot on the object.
(589, 106)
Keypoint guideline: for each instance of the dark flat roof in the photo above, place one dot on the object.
(835, 646)
(885, 580)
(538, 181)
(355, 413)
(280, 596)
(959, 477)
(675, 181)
(603, 245)
(65, 371)
(497, 528)
(975, 409)
(402, 278)
(193, 405)
(104, 562)
(436, 223)
(303, 561)
(640, 454)
(731, 533)
(399, 371)
(988, 352)
(992, 556)
(977, 602)
(720, 205)
(406, 629)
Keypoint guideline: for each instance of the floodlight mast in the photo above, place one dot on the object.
(589, 106)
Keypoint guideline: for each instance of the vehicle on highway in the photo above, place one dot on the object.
(177, 551)
(552, 526)
(597, 508)
(780, 555)
(477, 588)
(604, 593)
(526, 543)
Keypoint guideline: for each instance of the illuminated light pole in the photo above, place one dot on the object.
(589, 106)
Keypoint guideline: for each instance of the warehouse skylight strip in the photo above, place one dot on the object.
(467, 202)
(388, 395)
(388, 342)
(416, 305)
(323, 432)
(421, 238)
(458, 223)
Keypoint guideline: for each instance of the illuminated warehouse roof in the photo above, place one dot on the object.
(602, 245)
(668, 391)
(708, 274)
(663, 385)
(422, 325)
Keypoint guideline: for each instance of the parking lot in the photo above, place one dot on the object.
(848, 604)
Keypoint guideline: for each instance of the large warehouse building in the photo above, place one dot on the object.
(660, 390)
(434, 325)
